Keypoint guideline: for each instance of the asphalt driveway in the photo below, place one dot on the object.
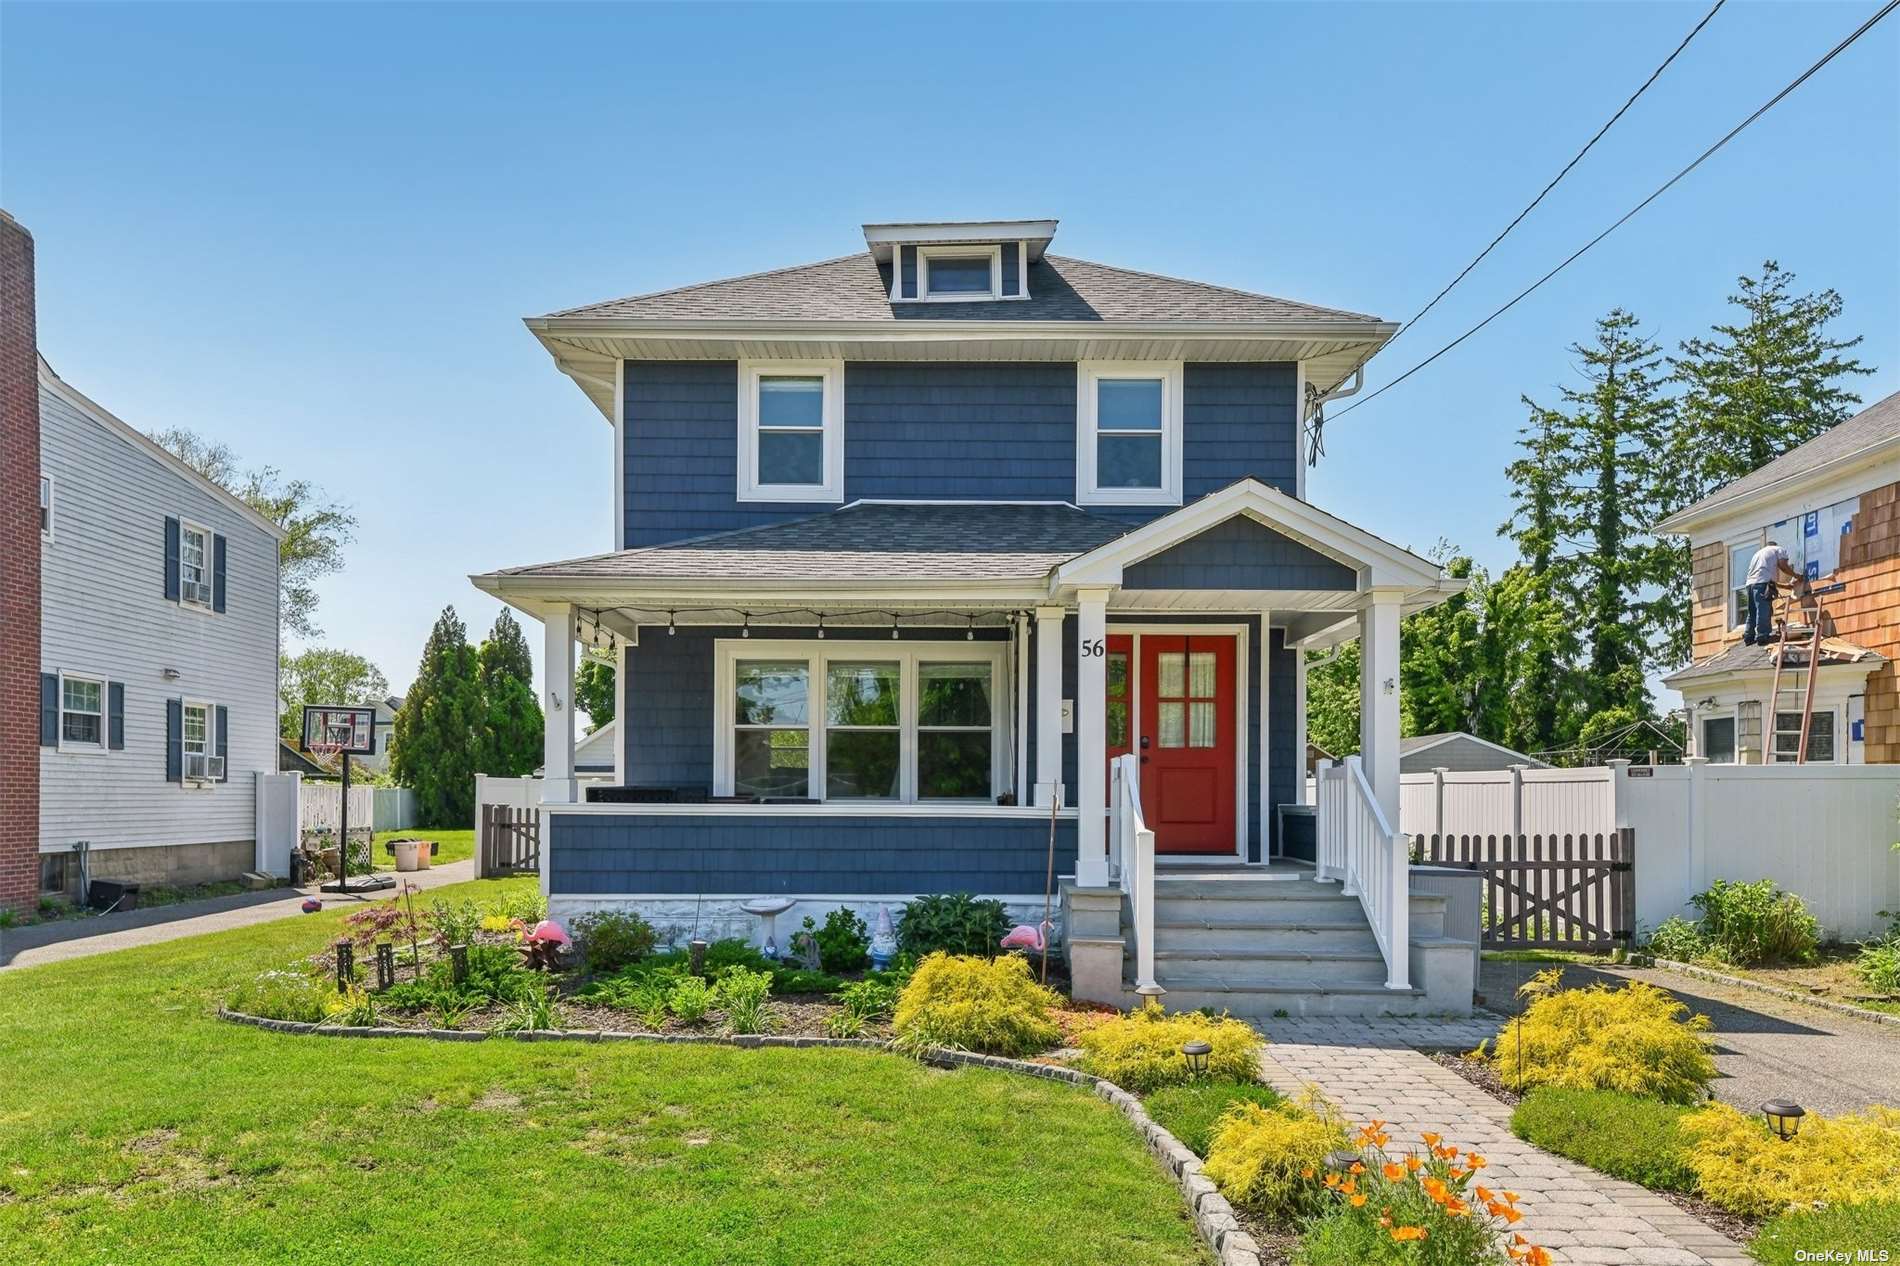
(1765, 1048)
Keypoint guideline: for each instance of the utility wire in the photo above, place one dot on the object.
(1627, 216)
(1555, 180)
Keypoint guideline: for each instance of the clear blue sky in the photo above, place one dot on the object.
(312, 232)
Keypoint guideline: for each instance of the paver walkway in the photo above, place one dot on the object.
(1580, 1215)
(80, 938)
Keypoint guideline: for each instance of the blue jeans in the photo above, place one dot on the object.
(1761, 619)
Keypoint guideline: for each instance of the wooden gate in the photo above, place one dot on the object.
(511, 841)
(1570, 892)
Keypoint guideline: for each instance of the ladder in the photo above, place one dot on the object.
(1791, 693)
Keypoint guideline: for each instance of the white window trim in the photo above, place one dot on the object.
(817, 655)
(211, 742)
(1730, 713)
(1087, 374)
(191, 604)
(51, 487)
(832, 372)
(993, 253)
(105, 714)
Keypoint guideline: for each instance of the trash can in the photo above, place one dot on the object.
(425, 854)
(405, 851)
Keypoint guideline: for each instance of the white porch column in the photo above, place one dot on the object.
(1048, 701)
(557, 705)
(1091, 739)
(1379, 697)
(1263, 726)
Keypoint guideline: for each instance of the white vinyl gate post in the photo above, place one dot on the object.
(1517, 805)
(1438, 808)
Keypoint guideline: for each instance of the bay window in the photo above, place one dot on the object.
(915, 722)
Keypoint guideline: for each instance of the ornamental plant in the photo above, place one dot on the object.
(743, 993)
(1264, 1157)
(951, 923)
(844, 943)
(1636, 1039)
(612, 939)
(283, 995)
(1425, 1206)
(1742, 1166)
(976, 1004)
(1753, 923)
(1141, 1051)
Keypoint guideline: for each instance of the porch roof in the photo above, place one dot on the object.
(1836, 652)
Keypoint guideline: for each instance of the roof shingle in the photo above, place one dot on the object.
(1878, 423)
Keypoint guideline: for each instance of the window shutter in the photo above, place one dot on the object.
(171, 559)
(49, 709)
(224, 736)
(174, 740)
(115, 716)
(217, 573)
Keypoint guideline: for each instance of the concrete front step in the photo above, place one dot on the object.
(1294, 997)
(1239, 935)
(1271, 967)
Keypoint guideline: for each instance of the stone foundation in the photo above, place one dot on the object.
(719, 918)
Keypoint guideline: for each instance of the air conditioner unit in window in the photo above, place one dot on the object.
(202, 768)
(199, 593)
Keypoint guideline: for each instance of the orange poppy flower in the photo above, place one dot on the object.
(1356, 1168)
(1431, 1140)
(1392, 1172)
(1414, 1164)
(1484, 1193)
(1538, 1256)
(1475, 1161)
(1307, 1172)
(1357, 1201)
(1405, 1233)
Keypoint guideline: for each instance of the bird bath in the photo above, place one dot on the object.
(768, 909)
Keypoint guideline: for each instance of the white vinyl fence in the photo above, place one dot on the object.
(289, 808)
(320, 808)
(1825, 832)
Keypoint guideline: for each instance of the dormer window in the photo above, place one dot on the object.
(959, 273)
(791, 430)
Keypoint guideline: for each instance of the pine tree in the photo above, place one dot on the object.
(1532, 598)
(1610, 481)
(594, 691)
(1763, 386)
(513, 732)
(438, 734)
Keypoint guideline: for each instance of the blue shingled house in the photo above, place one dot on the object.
(924, 549)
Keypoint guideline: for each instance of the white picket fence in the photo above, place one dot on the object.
(289, 808)
(1825, 832)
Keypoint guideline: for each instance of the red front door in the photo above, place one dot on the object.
(1185, 732)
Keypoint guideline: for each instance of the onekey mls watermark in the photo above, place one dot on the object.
(1844, 1256)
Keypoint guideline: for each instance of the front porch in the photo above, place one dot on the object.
(893, 700)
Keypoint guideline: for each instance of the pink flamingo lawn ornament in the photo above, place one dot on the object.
(544, 945)
(1023, 936)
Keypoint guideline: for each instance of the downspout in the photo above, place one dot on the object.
(1314, 422)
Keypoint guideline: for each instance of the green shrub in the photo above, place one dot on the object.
(743, 993)
(1678, 938)
(283, 995)
(798, 980)
(1878, 963)
(1637, 1039)
(1812, 1232)
(951, 923)
(844, 943)
(690, 999)
(453, 923)
(976, 1004)
(1191, 1112)
(611, 939)
(874, 997)
(1264, 1158)
(1741, 1166)
(532, 1011)
(1615, 1134)
(351, 1008)
(1141, 1051)
(1754, 923)
(732, 952)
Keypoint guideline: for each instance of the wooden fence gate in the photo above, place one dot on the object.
(1571, 892)
(511, 841)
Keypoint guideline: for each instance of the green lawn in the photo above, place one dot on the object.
(140, 1128)
(451, 846)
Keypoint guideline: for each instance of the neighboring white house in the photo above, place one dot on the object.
(386, 710)
(158, 660)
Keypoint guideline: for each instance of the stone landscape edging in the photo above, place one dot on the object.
(1773, 991)
(1214, 1217)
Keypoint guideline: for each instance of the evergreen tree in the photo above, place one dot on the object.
(1609, 483)
(1762, 386)
(439, 730)
(513, 732)
(1532, 597)
(594, 691)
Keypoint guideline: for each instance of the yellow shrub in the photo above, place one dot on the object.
(1743, 1167)
(1141, 1051)
(1636, 1039)
(1265, 1158)
(975, 1004)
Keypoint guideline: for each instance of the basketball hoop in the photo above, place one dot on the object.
(324, 752)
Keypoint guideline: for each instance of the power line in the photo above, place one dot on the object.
(1555, 180)
(1627, 216)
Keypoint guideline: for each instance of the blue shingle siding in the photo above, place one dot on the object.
(1238, 420)
(736, 853)
(959, 431)
(1012, 252)
(1239, 554)
(991, 430)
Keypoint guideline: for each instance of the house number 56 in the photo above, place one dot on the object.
(1092, 649)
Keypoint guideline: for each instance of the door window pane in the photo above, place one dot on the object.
(1201, 725)
(861, 694)
(1171, 674)
(861, 765)
(1117, 692)
(954, 275)
(1173, 724)
(1718, 740)
(1201, 675)
(953, 764)
(953, 694)
(771, 693)
(1128, 461)
(772, 763)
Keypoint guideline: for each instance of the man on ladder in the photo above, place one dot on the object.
(1764, 569)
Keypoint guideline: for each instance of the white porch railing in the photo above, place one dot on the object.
(1131, 856)
(1357, 846)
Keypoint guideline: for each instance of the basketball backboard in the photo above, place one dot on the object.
(344, 728)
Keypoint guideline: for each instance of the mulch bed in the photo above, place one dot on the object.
(1478, 1073)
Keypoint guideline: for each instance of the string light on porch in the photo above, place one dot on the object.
(969, 634)
(821, 626)
(745, 625)
(672, 630)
